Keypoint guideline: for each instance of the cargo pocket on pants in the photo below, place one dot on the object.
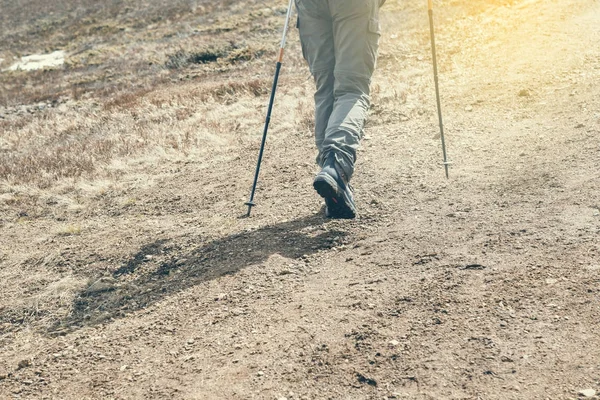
(374, 26)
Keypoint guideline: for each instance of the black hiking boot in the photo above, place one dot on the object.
(332, 185)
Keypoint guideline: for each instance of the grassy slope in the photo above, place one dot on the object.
(134, 160)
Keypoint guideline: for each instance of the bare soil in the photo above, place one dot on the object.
(127, 271)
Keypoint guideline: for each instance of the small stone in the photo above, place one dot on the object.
(524, 93)
(260, 373)
(24, 364)
(587, 393)
(221, 296)
(503, 324)
(123, 368)
(551, 281)
(190, 341)
(469, 108)
(394, 343)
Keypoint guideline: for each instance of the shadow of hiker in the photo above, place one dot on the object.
(141, 283)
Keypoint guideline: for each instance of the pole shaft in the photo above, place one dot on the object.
(286, 26)
(264, 138)
(437, 86)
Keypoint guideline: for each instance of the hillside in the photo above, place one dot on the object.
(126, 270)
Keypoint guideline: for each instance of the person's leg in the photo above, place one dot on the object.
(356, 36)
(316, 37)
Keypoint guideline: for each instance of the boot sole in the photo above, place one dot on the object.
(337, 201)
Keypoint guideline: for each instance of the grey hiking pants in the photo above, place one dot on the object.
(339, 41)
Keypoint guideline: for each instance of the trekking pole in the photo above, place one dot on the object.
(437, 86)
(250, 202)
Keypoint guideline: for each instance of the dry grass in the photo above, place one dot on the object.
(121, 109)
(46, 300)
(118, 46)
(116, 99)
(69, 230)
(26, 23)
(85, 138)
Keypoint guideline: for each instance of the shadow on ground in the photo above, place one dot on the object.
(140, 283)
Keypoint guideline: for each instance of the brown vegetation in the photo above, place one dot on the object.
(126, 272)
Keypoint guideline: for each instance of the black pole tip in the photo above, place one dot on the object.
(250, 204)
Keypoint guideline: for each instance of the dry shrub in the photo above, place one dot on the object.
(69, 230)
(228, 54)
(184, 113)
(30, 87)
(126, 100)
(182, 59)
(48, 303)
(83, 139)
(69, 160)
(245, 54)
(255, 87)
(43, 151)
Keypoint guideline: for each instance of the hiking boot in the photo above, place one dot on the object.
(332, 185)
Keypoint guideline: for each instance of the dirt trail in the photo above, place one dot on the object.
(484, 286)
